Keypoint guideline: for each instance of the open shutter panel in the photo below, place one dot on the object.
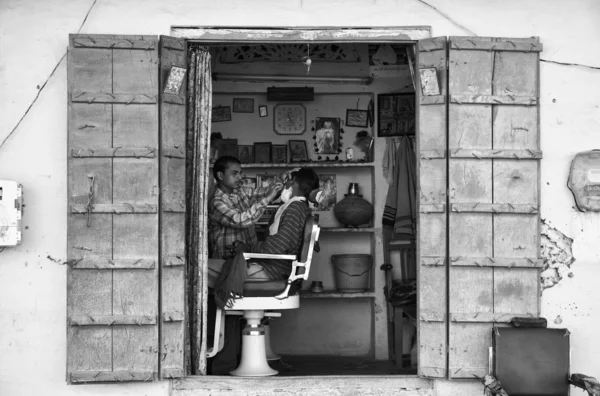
(112, 297)
(432, 276)
(494, 154)
(172, 217)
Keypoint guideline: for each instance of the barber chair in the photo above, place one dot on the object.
(533, 361)
(261, 297)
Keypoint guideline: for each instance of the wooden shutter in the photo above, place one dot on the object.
(494, 175)
(432, 225)
(172, 216)
(113, 191)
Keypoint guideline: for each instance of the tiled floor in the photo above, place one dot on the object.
(332, 365)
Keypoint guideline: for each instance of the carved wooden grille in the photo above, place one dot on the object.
(289, 53)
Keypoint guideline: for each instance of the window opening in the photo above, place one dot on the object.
(366, 93)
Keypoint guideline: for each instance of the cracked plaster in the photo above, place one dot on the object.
(557, 252)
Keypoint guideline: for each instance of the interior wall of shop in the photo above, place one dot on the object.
(34, 36)
(323, 326)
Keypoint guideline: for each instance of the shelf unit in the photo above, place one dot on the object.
(343, 229)
(313, 164)
(336, 294)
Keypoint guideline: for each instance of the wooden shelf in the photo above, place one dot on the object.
(336, 294)
(314, 164)
(345, 229)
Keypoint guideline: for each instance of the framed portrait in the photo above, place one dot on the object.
(249, 182)
(327, 183)
(243, 105)
(298, 151)
(357, 118)
(279, 155)
(396, 114)
(245, 154)
(327, 135)
(265, 179)
(262, 153)
(262, 111)
(226, 147)
(175, 80)
(221, 113)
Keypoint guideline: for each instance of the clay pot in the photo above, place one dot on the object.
(353, 210)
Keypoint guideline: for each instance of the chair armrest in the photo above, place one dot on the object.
(590, 384)
(248, 256)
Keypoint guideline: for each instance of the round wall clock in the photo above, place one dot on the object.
(289, 119)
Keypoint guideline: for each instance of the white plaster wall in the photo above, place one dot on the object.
(33, 38)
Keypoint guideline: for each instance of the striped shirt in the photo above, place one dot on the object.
(231, 217)
(287, 240)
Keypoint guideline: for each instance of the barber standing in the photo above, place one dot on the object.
(233, 211)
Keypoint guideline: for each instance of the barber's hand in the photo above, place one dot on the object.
(274, 190)
(287, 175)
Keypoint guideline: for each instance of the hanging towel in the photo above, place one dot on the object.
(389, 160)
(399, 212)
(230, 284)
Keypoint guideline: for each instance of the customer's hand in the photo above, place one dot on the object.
(241, 247)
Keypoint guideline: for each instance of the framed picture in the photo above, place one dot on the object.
(262, 153)
(249, 182)
(226, 147)
(245, 154)
(327, 183)
(327, 135)
(243, 105)
(221, 113)
(265, 179)
(396, 114)
(298, 151)
(175, 80)
(357, 118)
(262, 111)
(429, 82)
(279, 154)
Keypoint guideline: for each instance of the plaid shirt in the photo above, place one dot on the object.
(232, 218)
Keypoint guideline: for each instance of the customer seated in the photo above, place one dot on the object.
(285, 237)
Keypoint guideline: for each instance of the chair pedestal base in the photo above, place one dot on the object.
(254, 358)
(271, 355)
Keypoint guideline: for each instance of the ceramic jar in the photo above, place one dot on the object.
(353, 210)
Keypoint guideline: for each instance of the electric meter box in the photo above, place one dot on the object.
(11, 211)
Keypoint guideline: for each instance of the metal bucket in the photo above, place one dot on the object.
(352, 272)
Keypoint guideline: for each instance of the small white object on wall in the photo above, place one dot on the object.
(11, 210)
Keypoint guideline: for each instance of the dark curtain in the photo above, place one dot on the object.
(197, 174)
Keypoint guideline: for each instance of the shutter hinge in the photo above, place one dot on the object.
(447, 63)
